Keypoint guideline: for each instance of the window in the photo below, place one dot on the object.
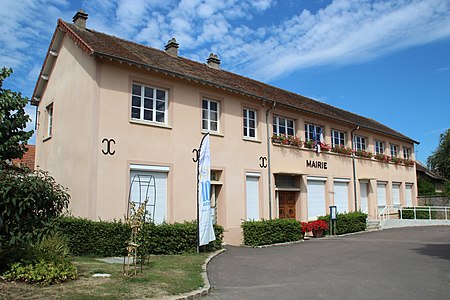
(406, 153)
(249, 123)
(283, 126)
(379, 147)
(210, 115)
(360, 143)
(337, 138)
(394, 150)
(310, 129)
(49, 119)
(149, 104)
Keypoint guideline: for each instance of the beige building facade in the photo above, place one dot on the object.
(109, 109)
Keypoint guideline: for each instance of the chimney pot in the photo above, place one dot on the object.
(80, 18)
(213, 61)
(172, 47)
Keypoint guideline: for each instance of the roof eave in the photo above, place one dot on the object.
(50, 59)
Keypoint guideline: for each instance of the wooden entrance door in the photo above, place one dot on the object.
(286, 206)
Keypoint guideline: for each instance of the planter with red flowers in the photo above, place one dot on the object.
(316, 227)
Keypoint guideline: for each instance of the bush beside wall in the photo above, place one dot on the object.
(348, 222)
(101, 238)
(266, 232)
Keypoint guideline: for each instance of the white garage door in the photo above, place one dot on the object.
(138, 192)
(408, 195)
(252, 196)
(381, 196)
(396, 194)
(341, 196)
(363, 187)
(316, 199)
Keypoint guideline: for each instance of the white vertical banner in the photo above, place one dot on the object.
(205, 230)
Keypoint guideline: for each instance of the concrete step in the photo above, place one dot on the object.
(373, 225)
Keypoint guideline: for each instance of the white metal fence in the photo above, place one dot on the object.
(415, 213)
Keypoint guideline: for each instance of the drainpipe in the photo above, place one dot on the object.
(354, 168)
(268, 159)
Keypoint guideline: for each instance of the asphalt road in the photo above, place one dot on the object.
(403, 263)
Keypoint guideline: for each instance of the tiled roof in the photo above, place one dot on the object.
(28, 157)
(103, 45)
(423, 169)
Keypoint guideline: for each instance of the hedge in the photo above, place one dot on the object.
(94, 238)
(408, 213)
(348, 222)
(101, 238)
(266, 232)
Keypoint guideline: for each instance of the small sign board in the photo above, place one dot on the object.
(333, 212)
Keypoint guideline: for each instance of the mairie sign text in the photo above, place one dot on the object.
(317, 164)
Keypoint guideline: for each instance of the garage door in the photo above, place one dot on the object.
(341, 196)
(138, 192)
(381, 196)
(396, 194)
(316, 199)
(252, 196)
(408, 194)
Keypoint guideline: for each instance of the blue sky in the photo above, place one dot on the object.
(386, 60)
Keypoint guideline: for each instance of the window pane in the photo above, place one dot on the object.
(213, 106)
(205, 124)
(252, 132)
(282, 129)
(160, 105)
(205, 114)
(290, 123)
(148, 115)
(205, 104)
(290, 131)
(135, 113)
(160, 117)
(136, 89)
(214, 126)
(148, 92)
(213, 116)
(251, 114)
(245, 113)
(274, 129)
(135, 101)
(251, 124)
(245, 131)
(148, 103)
(161, 95)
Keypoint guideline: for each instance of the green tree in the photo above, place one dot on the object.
(439, 161)
(425, 187)
(13, 121)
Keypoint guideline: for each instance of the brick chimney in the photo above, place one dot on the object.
(80, 19)
(213, 61)
(172, 47)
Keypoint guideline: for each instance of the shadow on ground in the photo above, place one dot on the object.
(441, 251)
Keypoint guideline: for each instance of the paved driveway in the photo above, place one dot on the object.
(402, 263)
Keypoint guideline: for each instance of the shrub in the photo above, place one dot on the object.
(28, 203)
(266, 232)
(42, 272)
(348, 222)
(101, 238)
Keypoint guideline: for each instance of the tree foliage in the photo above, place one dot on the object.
(13, 121)
(439, 161)
(425, 187)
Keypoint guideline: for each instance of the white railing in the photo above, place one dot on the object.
(418, 213)
(426, 213)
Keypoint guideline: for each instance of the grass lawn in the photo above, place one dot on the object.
(162, 275)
